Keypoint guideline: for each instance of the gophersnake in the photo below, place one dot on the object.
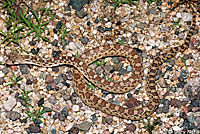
(82, 72)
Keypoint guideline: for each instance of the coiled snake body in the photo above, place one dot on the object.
(82, 72)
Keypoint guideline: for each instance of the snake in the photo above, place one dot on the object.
(82, 73)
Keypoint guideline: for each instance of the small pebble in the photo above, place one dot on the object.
(10, 103)
(33, 129)
(24, 69)
(40, 102)
(81, 14)
(72, 45)
(75, 108)
(101, 29)
(64, 111)
(84, 40)
(52, 100)
(84, 126)
(13, 115)
(59, 25)
(77, 4)
(186, 17)
(2, 80)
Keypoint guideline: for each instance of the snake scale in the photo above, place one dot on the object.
(82, 73)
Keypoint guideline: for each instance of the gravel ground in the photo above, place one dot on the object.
(150, 29)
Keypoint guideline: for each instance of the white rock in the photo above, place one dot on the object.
(72, 45)
(94, 31)
(152, 33)
(151, 42)
(164, 119)
(60, 15)
(99, 126)
(68, 25)
(19, 104)
(17, 129)
(55, 36)
(177, 113)
(148, 48)
(69, 126)
(42, 69)
(61, 4)
(178, 15)
(110, 42)
(186, 17)
(190, 69)
(1, 74)
(75, 108)
(69, 117)
(10, 131)
(108, 24)
(176, 128)
(79, 45)
(115, 118)
(49, 69)
(196, 56)
(1, 59)
(105, 19)
(129, 34)
(93, 9)
(10, 103)
(111, 129)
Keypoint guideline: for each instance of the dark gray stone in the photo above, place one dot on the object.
(13, 115)
(109, 119)
(131, 127)
(64, 111)
(55, 69)
(59, 25)
(24, 69)
(188, 125)
(164, 29)
(192, 89)
(52, 100)
(40, 102)
(152, 11)
(171, 62)
(122, 71)
(74, 130)
(94, 118)
(5, 70)
(184, 74)
(78, 4)
(66, 97)
(56, 115)
(84, 126)
(129, 68)
(1, 80)
(101, 29)
(142, 25)
(67, 76)
(53, 131)
(61, 117)
(33, 129)
(84, 40)
(115, 60)
(32, 43)
(81, 14)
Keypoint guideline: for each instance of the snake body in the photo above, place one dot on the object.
(83, 73)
